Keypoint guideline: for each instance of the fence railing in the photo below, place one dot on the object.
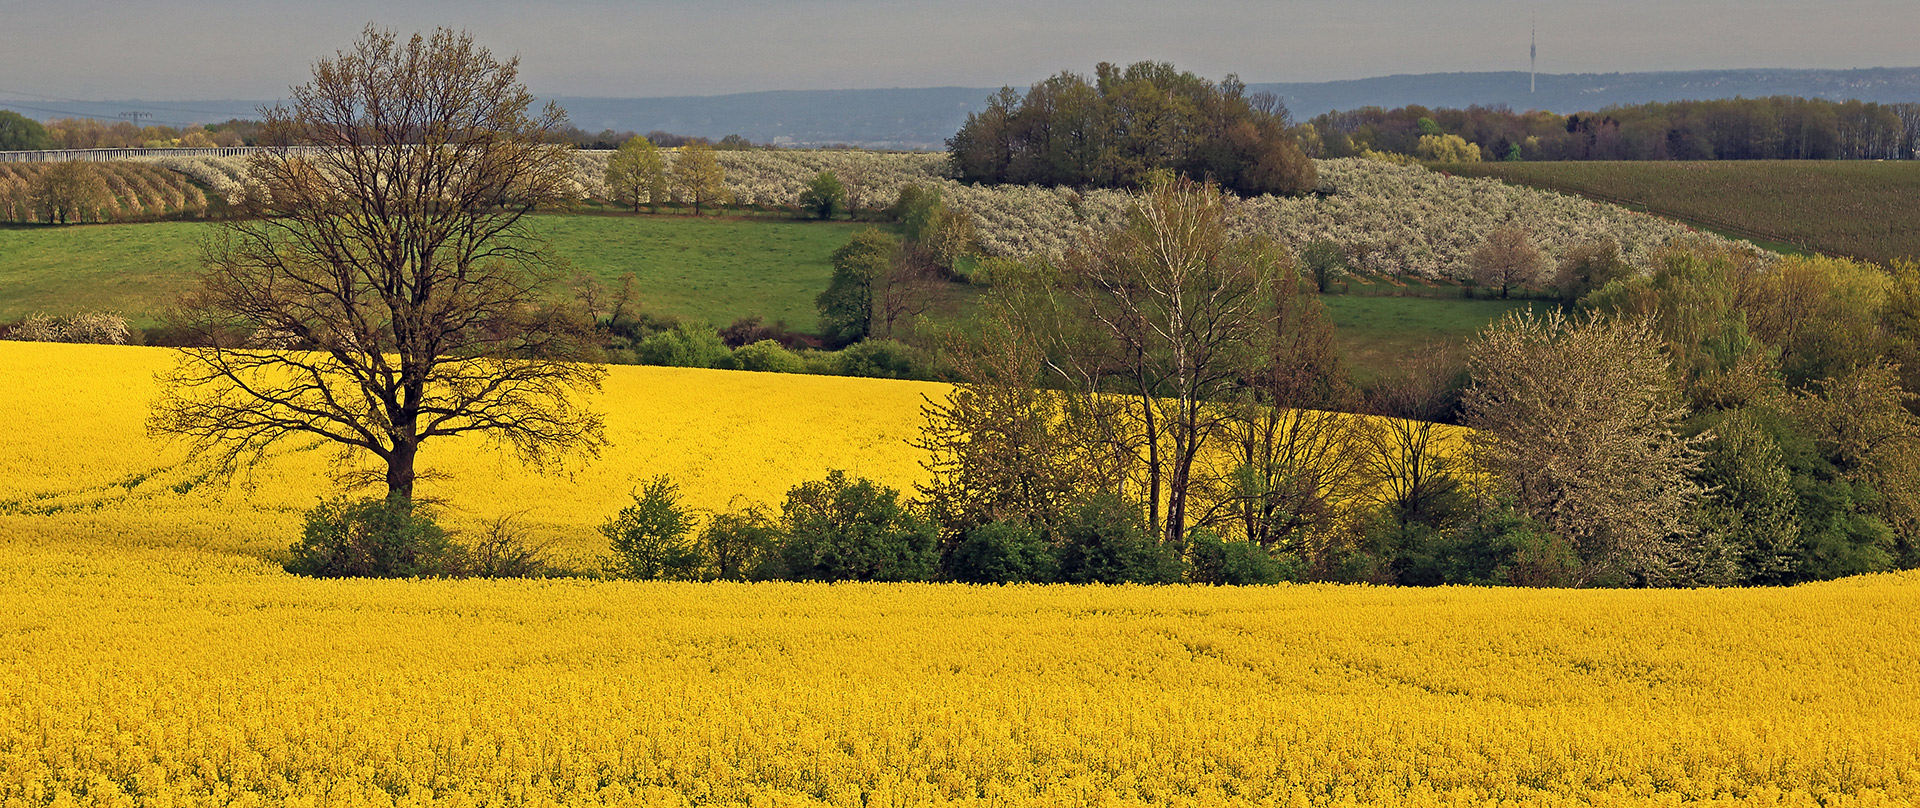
(105, 155)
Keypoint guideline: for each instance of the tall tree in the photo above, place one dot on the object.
(859, 266)
(1580, 421)
(637, 172)
(1153, 325)
(386, 274)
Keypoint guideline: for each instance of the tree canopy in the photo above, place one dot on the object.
(1125, 125)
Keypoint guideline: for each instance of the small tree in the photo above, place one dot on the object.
(859, 266)
(844, 529)
(1507, 259)
(699, 177)
(1590, 265)
(824, 198)
(1325, 263)
(651, 537)
(68, 193)
(636, 172)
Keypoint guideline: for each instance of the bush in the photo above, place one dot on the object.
(881, 359)
(1003, 553)
(373, 538)
(741, 545)
(687, 345)
(769, 357)
(99, 328)
(824, 198)
(1231, 563)
(841, 529)
(650, 537)
(1104, 542)
(502, 551)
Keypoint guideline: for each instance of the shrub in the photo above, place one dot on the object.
(881, 359)
(99, 328)
(840, 529)
(768, 356)
(741, 545)
(650, 537)
(1003, 553)
(373, 538)
(687, 345)
(1103, 541)
(503, 551)
(825, 197)
(1231, 563)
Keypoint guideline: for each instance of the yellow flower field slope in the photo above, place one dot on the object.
(75, 456)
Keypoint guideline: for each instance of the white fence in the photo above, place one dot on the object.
(104, 155)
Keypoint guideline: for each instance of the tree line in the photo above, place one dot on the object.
(1772, 128)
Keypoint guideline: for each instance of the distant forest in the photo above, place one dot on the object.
(1775, 128)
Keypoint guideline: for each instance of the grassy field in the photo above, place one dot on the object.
(1377, 332)
(1861, 209)
(713, 269)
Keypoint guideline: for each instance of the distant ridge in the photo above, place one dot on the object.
(923, 118)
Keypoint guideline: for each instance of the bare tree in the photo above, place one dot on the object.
(387, 274)
(1507, 259)
(1152, 325)
(1415, 466)
(906, 289)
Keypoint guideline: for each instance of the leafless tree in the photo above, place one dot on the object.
(389, 268)
(1152, 324)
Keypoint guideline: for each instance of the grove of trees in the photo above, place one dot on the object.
(1126, 124)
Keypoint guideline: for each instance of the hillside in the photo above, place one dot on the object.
(77, 459)
(923, 118)
(1857, 209)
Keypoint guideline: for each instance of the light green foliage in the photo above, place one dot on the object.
(825, 197)
(699, 179)
(651, 538)
(768, 356)
(1325, 263)
(1447, 149)
(637, 172)
(688, 345)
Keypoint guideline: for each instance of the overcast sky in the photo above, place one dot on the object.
(255, 49)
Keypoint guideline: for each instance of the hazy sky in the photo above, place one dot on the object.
(254, 49)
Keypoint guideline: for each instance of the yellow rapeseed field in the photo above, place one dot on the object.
(170, 677)
(150, 655)
(75, 456)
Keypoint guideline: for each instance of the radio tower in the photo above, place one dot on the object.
(1533, 54)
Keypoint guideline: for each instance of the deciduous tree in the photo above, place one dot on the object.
(386, 273)
(698, 177)
(637, 172)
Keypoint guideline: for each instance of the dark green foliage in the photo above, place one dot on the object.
(1751, 503)
(742, 545)
(373, 538)
(917, 208)
(1103, 541)
(650, 538)
(1003, 553)
(846, 307)
(1496, 546)
(842, 529)
(1234, 563)
(21, 133)
(882, 359)
(1127, 125)
(825, 197)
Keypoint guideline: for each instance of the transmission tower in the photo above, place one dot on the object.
(136, 116)
(1533, 55)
